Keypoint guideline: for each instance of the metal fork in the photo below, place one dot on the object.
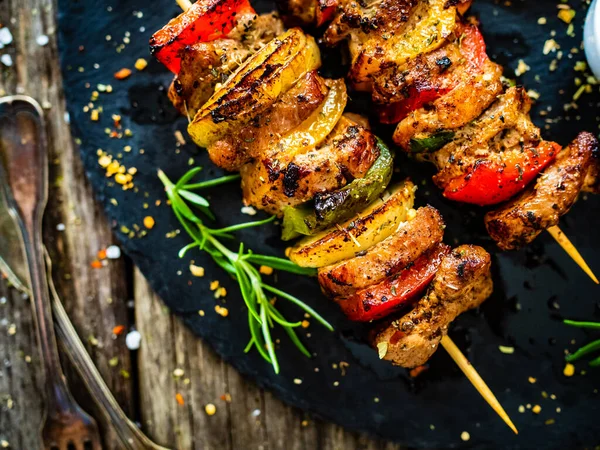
(24, 150)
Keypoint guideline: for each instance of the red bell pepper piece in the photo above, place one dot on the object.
(205, 21)
(472, 46)
(393, 293)
(325, 11)
(488, 182)
(417, 97)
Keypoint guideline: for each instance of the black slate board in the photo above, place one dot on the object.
(434, 409)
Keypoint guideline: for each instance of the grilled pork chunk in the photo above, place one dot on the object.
(397, 252)
(504, 127)
(206, 64)
(522, 219)
(263, 132)
(463, 282)
(277, 180)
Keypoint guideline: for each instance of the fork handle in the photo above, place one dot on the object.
(58, 399)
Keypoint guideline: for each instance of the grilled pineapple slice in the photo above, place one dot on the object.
(366, 229)
(255, 86)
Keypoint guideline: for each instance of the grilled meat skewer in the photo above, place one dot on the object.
(428, 71)
(462, 282)
(281, 125)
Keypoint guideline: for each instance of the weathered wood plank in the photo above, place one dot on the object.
(95, 298)
(20, 381)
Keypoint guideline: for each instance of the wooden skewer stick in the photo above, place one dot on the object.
(568, 247)
(184, 4)
(448, 344)
(463, 363)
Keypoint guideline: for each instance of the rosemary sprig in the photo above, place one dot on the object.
(241, 264)
(588, 348)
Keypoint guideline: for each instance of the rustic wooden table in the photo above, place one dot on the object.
(97, 300)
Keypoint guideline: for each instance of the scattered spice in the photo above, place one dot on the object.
(532, 380)
(297, 381)
(118, 330)
(305, 324)
(415, 372)
(197, 271)
(566, 14)
(536, 409)
(569, 370)
(265, 270)
(141, 64)
(122, 74)
(178, 373)
(222, 311)
(95, 264)
(465, 436)
(506, 350)
(149, 222)
(214, 285)
(179, 399)
(226, 397)
(210, 409)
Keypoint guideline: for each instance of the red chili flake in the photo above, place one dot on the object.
(179, 399)
(101, 254)
(414, 373)
(123, 73)
(118, 329)
(96, 264)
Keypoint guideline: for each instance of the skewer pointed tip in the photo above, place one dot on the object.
(475, 379)
(568, 247)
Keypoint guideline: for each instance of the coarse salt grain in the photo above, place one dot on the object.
(113, 252)
(5, 36)
(133, 340)
(42, 40)
(248, 210)
(6, 60)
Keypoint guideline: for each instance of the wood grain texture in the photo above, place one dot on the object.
(97, 300)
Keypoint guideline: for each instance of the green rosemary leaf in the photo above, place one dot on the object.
(212, 183)
(300, 303)
(589, 348)
(266, 332)
(279, 318)
(294, 338)
(187, 177)
(185, 249)
(196, 199)
(595, 362)
(281, 264)
(241, 226)
(574, 323)
(182, 207)
(255, 331)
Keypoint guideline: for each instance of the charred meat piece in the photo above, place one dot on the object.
(263, 132)
(395, 292)
(465, 102)
(385, 259)
(463, 282)
(276, 181)
(505, 126)
(522, 219)
(205, 64)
